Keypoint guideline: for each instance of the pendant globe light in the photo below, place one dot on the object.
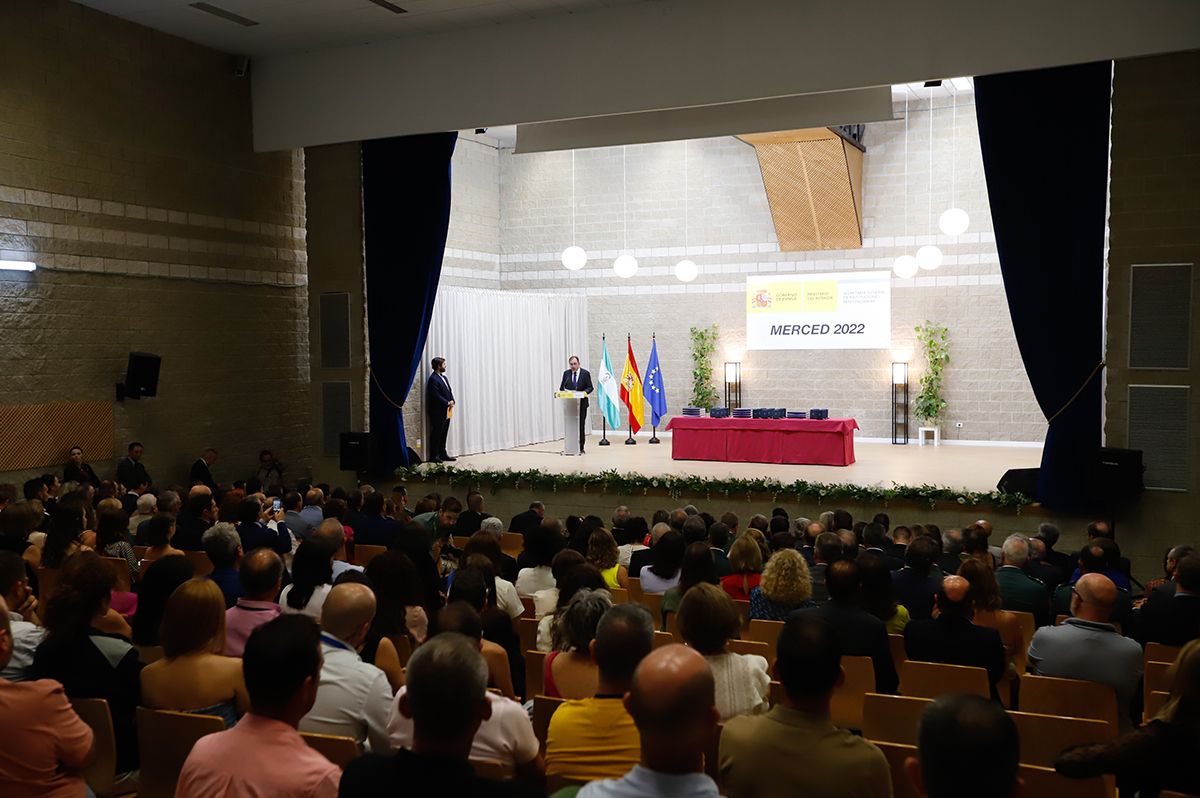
(686, 270)
(573, 257)
(954, 221)
(929, 257)
(905, 266)
(626, 265)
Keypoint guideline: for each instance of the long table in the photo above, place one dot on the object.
(764, 440)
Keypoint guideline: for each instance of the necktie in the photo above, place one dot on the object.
(574, 379)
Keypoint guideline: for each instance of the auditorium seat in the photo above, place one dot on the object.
(932, 679)
(403, 648)
(201, 565)
(1028, 627)
(528, 609)
(744, 609)
(102, 773)
(620, 595)
(892, 718)
(899, 655)
(139, 552)
(459, 541)
(544, 708)
(663, 639)
(121, 569)
(897, 754)
(765, 632)
(165, 739)
(148, 654)
(1156, 679)
(512, 543)
(634, 586)
(492, 769)
(1046, 783)
(527, 632)
(653, 603)
(846, 706)
(339, 750)
(1073, 698)
(1043, 737)
(364, 553)
(1154, 704)
(47, 579)
(750, 647)
(535, 662)
(1158, 652)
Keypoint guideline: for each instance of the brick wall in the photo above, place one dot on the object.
(127, 174)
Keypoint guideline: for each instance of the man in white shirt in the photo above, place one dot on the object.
(353, 698)
(14, 589)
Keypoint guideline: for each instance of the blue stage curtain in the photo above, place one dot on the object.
(1044, 137)
(406, 213)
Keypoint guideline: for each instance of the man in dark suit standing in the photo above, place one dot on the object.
(952, 639)
(201, 473)
(130, 471)
(577, 379)
(439, 400)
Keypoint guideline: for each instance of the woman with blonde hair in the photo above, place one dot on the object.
(746, 560)
(708, 619)
(603, 552)
(193, 676)
(1161, 755)
(786, 585)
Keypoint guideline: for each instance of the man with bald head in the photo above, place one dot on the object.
(950, 637)
(1090, 648)
(332, 530)
(261, 575)
(673, 706)
(353, 697)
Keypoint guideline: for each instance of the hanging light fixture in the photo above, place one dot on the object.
(686, 270)
(954, 221)
(573, 257)
(626, 265)
(929, 257)
(905, 266)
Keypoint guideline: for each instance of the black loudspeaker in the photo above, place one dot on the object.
(141, 376)
(1115, 475)
(1019, 480)
(354, 451)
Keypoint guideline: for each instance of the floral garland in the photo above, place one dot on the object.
(676, 486)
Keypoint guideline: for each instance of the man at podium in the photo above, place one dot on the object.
(577, 379)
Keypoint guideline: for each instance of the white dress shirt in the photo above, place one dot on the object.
(353, 698)
(507, 599)
(531, 580)
(507, 736)
(25, 639)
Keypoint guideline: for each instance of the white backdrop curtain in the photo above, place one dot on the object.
(505, 354)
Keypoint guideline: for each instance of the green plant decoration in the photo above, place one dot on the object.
(929, 404)
(704, 344)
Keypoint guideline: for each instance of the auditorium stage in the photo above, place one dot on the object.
(974, 468)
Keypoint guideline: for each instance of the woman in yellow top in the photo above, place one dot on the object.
(876, 596)
(603, 553)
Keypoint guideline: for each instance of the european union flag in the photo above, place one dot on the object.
(654, 390)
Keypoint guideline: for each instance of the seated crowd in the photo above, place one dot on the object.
(626, 659)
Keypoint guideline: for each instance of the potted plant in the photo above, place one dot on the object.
(929, 404)
(704, 343)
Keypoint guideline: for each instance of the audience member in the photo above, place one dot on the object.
(399, 608)
(1095, 558)
(1101, 529)
(1049, 534)
(199, 513)
(293, 503)
(353, 697)
(76, 470)
(312, 578)
(470, 592)
(1020, 592)
(632, 536)
(569, 671)
(874, 541)
(24, 634)
(332, 532)
(194, 676)
(642, 559)
(966, 740)
(158, 583)
(950, 637)
(314, 500)
(261, 574)
(446, 709)
(65, 535)
(1174, 618)
(1161, 755)
(1039, 568)
(131, 472)
(1086, 646)
(594, 737)
(602, 553)
(541, 545)
(952, 552)
(671, 702)
(1171, 558)
(785, 586)
(667, 556)
(111, 538)
(439, 525)
(525, 522)
(144, 509)
(255, 532)
(876, 593)
(915, 584)
(264, 754)
(160, 530)
(698, 568)
(795, 749)
(223, 546)
(488, 546)
(87, 661)
(746, 564)
(1115, 566)
(984, 594)
(708, 619)
(46, 744)
(719, 541)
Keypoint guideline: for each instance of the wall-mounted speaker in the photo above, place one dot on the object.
(141, 376)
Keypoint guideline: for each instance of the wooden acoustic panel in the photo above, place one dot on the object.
(813, 180)
(37, 436)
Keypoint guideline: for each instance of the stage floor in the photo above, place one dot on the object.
(975, 468)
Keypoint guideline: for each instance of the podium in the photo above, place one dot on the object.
(570, 407)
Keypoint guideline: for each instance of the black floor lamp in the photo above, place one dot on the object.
(733, 385)
(900, 403)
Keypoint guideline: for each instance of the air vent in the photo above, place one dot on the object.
(335, 415)
(225, 14)
(1160, 318)
(335, 331)
(395, 9)
(1158, 425)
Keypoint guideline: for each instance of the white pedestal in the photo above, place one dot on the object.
(937, 435)
(570, 410)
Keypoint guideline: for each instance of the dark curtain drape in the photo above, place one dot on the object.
(406, 212)
(1044, 137)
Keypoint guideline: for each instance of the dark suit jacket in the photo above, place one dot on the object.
(525, 522)
(949, 563)
(468, 522)
(816, 571)
(956, 641)
(258, 535)
(1171, 619)
(83, 474)
(376, 530)
(893, 563)
(897, 550)
(584, 384)
(860, 634)
(1046, 573)
(202, 474)
(438, 395)
(915, 592)
(188, 531)
(807, 553)
(1062, 561)
(642, 558)
(132, 473)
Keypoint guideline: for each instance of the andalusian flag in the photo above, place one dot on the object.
(631, 390)
(610, 400)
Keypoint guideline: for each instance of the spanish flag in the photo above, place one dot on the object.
(631, 389)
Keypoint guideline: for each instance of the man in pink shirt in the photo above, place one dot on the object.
(261, 572)
(263, 756)
(48, 744)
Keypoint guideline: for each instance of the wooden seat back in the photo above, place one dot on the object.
(1159, 652)
(339, 750)
(620, 595)
(527, 632)
(1043, 737)
(1028, 627)
(1072, 698)
(634, 586)
(1157, 678)
(896, 646)
(1154, 704)
(932, 679)
(846, 706)
(101, 775)
(149, 654)
(47, 579)
(897, 754)
(165, 739)
(512, 543)
(120, 569)
(744, 608)
(663, 639)
(364, 553)
(765, 632)
(1043, 782)
(892, 718)
(749, 647)
(535, 663)
(492, 769)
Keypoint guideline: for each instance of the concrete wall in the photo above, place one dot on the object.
(127, 174)
(727, 230)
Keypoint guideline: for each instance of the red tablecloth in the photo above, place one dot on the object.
(764, 440)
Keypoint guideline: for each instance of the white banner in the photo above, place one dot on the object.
(844, 310)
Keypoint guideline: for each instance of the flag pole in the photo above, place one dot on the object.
(630, 441)
(653, 427)
(603, 425)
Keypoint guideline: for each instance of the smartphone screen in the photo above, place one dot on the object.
(276, 505)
